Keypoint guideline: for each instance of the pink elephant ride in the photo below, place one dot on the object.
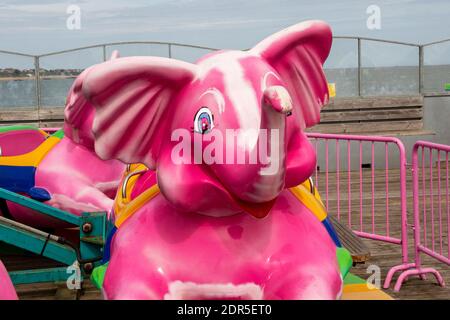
(221, 207)
(60, 169)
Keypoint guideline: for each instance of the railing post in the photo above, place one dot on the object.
(104, 52)
(359, 67)
(421, 68)
(170, 50)
(38, 84)
(403, 204)
(416, 219)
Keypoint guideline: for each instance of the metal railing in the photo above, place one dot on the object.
(431, 208)
(369, 197)
(417, 63)
(372, 201)
(360, 57)
(368, 80)
(39, 98)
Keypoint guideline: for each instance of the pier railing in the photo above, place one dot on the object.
(358, 66)
(42, 81)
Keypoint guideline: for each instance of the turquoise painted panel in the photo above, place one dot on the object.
(41, 275)
(32, 242)
(38, 206)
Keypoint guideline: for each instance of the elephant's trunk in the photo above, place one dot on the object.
(269, 179)
(258, 183)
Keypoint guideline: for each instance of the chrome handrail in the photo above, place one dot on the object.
(127, 179)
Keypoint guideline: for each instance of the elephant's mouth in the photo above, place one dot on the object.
(258, 210)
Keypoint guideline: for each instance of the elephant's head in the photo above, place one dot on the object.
(231, 106)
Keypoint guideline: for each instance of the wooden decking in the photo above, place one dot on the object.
(45, 291)
(387, 255)
(381, 254)
(372, 114)
(43, 118)
(358, 249)
(377, 115)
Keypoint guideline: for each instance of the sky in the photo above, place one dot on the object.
(39, 26)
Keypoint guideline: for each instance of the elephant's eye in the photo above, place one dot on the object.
(203, 121)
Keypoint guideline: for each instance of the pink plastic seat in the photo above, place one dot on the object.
(17, 142)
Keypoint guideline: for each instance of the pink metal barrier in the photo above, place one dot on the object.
(431, 209)
(366, 198)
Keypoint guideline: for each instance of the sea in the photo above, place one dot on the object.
(21, 93)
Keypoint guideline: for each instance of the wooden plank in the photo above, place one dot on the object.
(45, 117)
(31, 123)
(372, 115)
(51, 124)
(374, 102)
(19, 115)
(358, 250)
(369, 114)
(51, 114)
(367, 127)
(57, 291)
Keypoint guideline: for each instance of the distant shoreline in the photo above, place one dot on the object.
(42, 77)
(13, 74)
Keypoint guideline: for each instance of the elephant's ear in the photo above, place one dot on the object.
(79, 114)
(131, 97)
(297, 54)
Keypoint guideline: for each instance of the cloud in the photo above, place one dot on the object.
(26, 24)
